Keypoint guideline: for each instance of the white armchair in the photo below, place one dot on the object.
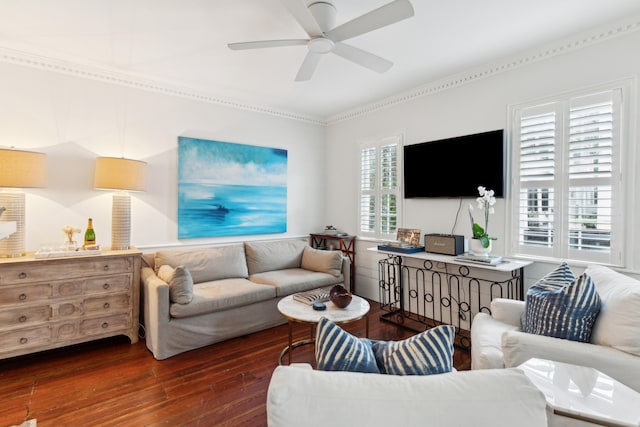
(497, 340)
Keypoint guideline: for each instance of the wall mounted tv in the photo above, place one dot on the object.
(455, 167)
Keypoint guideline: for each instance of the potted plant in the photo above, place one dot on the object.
(481, 241)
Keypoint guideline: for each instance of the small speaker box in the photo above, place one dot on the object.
(445, 244)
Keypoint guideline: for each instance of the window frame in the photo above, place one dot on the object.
(621, 177)
(377, 143)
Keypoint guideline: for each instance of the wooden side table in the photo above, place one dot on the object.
(346, 244)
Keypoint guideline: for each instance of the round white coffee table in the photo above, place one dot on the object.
(298, 312)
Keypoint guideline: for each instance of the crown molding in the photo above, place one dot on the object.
(97, 73)
(105, 75)
(490, 69)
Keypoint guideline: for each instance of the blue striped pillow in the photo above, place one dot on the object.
(429, 352)
(562, 310)
(337, 350)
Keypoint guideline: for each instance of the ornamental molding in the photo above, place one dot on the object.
(138, 82)
(96, 73)
(490, 69)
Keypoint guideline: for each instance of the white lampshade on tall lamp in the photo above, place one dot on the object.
(125, 175)
(18, 169)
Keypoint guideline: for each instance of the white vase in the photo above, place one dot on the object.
(478, 249)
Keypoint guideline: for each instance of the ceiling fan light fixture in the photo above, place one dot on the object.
(320, 45)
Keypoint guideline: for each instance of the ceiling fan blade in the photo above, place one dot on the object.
(308, 66)
(266, 43)
(301, 13)
(381, 17)
(361, 57)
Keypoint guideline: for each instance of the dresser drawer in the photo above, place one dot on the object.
(109, 284)
(24, 294)
(107, 304)
(105, 325)
(56, 269)
(24, 316)
(24, 338)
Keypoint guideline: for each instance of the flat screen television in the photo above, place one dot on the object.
(455, 167)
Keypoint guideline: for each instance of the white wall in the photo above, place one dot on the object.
(74, 120)
(477, 106)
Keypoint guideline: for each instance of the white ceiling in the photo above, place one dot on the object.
(184, 43)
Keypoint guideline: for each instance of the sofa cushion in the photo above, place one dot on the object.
(207, 264)
(292, 280)
(618, 324)
(338, 350)
(562, 310)
(179, 281)
(429, 352)
(221, 295)
(329, 262)
(273, 255)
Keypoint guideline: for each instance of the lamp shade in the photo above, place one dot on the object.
(22, 169)
(114, 173)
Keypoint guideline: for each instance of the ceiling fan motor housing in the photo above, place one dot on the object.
(324, 14)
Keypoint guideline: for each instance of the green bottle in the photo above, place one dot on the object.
(89, 235)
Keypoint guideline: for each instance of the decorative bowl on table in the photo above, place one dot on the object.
(340, 296)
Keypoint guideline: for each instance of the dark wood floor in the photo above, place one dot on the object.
(113, 383)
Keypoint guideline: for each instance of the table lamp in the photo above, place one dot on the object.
(18, 169)
(123, 175)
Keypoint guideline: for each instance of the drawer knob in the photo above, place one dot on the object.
(23, 340)
(106, 305)
(105, 286)
(22, 297)
(22, 319)
(106, 268)
(105, 325)
(22, 275)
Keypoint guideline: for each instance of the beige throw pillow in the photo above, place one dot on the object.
(179, 281)
(329, 262)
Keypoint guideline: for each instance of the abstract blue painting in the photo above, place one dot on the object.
(228, 189)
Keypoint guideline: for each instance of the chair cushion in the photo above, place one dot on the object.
(429, 352)
(207, 264)
(180, 283)
(618, 324)
(338, 350)
(558, 308)
(322, 261)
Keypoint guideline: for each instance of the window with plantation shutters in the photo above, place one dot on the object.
(568, 179)
(379, 188)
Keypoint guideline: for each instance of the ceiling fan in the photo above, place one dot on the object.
(318, 20)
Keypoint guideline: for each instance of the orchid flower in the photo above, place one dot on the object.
(485, 202)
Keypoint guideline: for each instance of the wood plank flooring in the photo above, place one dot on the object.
(113, 383)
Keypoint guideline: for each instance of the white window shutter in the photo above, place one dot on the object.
(568, 190)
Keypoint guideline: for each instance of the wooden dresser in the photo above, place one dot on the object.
(55, 302)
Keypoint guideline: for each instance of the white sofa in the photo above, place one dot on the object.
(301, 396)
(236, 289)
(498, 342)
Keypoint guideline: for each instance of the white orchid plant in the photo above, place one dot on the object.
(485, 202)
(70, 231)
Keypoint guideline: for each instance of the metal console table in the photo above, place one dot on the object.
(422, 290)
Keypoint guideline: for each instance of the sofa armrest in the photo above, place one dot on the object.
(156, 309)
(507, 311)
(518, 347)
